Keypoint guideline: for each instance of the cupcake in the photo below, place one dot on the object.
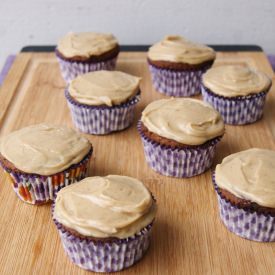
(105, 222)
(41, 159)
(177, 65)
(103, 101)
(180, 136)
(237, 92)
(80, 53)
(244, 183)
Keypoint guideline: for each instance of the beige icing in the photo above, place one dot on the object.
(235, 80)
(111, 206)
(104, 87)
(178, 49)
(249, 175)
(44, 149)
(86, 44)
(188, 121)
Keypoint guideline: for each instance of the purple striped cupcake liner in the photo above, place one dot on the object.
(101, 120)
(178, 162)
(177, 83)
(71, 69)
(237, 110)
(104, 256)
(38, 189)
(246, 223)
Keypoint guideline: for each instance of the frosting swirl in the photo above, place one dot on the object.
(249, 175)
(185, 120)
(178, 49)
(235, 80)
(86, 44)
(101, 207)
(104, 88)
(44, 149)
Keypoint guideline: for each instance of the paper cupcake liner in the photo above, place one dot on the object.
(246, 223)
(38, 189)
(101, 120)
(237, 110)
(177, 83)
(178, 162)
(104, 256)
(71, 69)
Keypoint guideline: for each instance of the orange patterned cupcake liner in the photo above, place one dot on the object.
(38, 189)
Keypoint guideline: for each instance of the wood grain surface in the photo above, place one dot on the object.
(188, 236)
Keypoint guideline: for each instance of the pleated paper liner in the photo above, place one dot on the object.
(71, 69)
(183, 162)
(101, 120)
(237, 110)
(246, 223)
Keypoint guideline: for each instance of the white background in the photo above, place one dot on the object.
(25, 22)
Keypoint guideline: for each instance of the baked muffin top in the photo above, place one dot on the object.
(86, 44)
(175, 48)
(104, 88)
(185, 120)
(235, 80)
(44, 149)
(249, 175)
(103, 207)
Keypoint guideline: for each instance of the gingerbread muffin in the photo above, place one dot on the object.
(41, 159)
(105, 222)
(180, 136)
(237, 92)
(177, 64)
(80, 53)
(245, 187)
(102, 102)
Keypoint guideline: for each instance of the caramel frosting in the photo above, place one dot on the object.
(185, 120)
(104, 88)
(44, 149)
(103, 207)
(175, 48)
(249, 175)
(86, 44)
(235, 80)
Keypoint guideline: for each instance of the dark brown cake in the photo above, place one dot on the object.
(166, 141)
(76, 234)
(245, 204)
(179, 66)
(10, 166)
(94, 58)
(102, 105)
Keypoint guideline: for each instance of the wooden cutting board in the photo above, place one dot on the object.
(188, 236)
